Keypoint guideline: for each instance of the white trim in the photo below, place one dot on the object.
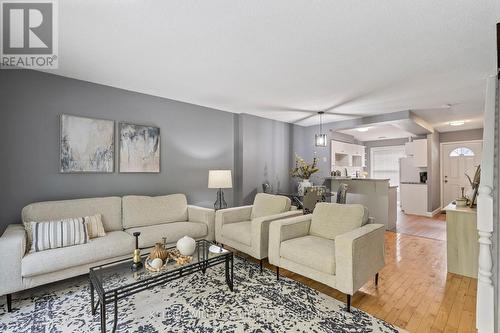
(434, 212)
(441, 163)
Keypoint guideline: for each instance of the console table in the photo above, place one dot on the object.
(462, 240)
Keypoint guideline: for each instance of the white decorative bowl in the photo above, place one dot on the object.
(157, 263)
(186, 246)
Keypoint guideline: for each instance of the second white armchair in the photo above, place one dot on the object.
(334, 245)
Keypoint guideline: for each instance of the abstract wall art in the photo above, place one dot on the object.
(86, 145)
(139, 148)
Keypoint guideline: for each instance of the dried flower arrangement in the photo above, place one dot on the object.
(304, 170)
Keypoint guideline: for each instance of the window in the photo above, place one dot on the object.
(384, 162)
(462, 151)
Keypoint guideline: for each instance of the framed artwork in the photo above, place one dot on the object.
(86, 145)
(139, 148)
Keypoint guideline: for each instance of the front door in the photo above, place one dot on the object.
(458, 159)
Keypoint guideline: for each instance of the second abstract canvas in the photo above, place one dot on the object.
(139, 148)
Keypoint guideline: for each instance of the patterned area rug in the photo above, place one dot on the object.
(196, 303)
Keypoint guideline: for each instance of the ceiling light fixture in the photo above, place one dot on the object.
(457, 123)
(363, 129)
(320, 138)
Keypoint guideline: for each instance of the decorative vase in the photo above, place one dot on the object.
(186, 246)
(302, 185)
(159, 251)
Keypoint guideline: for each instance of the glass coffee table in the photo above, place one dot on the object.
(116, 280)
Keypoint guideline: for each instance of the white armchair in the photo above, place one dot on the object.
(246, 228)
(335, 245)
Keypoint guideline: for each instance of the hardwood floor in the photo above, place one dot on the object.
(415, 292)
(434, 227)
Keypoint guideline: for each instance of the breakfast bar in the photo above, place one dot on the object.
(375, 194)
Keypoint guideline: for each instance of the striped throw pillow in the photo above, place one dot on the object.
(94, 226)
(61, 233)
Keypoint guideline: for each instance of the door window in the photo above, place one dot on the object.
(461, 151)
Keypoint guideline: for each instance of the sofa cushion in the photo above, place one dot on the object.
(238, 231)
(110, 209)
(173, 231)
(268, 204)
(141, 211)
(330, 219)
(314, 252)
(114, 244)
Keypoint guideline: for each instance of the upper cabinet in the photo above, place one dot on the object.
(347, 155)
(418, 150)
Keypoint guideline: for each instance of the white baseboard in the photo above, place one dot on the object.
(434, 212)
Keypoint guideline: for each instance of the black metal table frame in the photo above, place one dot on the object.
(113, 295)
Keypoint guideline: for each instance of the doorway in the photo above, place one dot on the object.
(457, 160)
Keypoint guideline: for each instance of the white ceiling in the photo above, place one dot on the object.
(286, 59)
(378, 132)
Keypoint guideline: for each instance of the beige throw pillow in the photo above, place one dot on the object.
(94, 226)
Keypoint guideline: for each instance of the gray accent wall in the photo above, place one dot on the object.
(194, 139)
(466, 135)
(264, 156)
(433, 172)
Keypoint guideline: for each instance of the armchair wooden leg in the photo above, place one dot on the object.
(261, 265)
(348, 303)
(9, 302)
(376, 279)
(277, 273)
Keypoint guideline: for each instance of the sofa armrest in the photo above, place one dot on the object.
(203, 215)
(12, 250)
(359, 255)
(286, 229)
(260, 231)
(231, 215)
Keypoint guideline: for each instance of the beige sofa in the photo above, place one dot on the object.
(246, 228)
(335, 245)
(155, 217)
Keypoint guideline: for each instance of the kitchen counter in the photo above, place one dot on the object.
(354, 178)
(374, 193)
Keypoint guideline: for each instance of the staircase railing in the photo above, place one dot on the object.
(485, 315)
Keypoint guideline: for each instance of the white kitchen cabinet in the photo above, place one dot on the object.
(418, 150)
(420, 153)
(409, 149)
(414, 199)
(347, 154)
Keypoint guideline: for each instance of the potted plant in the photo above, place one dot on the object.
(303, 171)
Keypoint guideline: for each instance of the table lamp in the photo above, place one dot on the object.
(220, 179)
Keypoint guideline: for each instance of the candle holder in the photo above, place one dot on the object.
(137, 261)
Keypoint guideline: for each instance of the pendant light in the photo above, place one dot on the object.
(320, 138)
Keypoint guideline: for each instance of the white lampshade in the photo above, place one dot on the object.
(220, 179)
